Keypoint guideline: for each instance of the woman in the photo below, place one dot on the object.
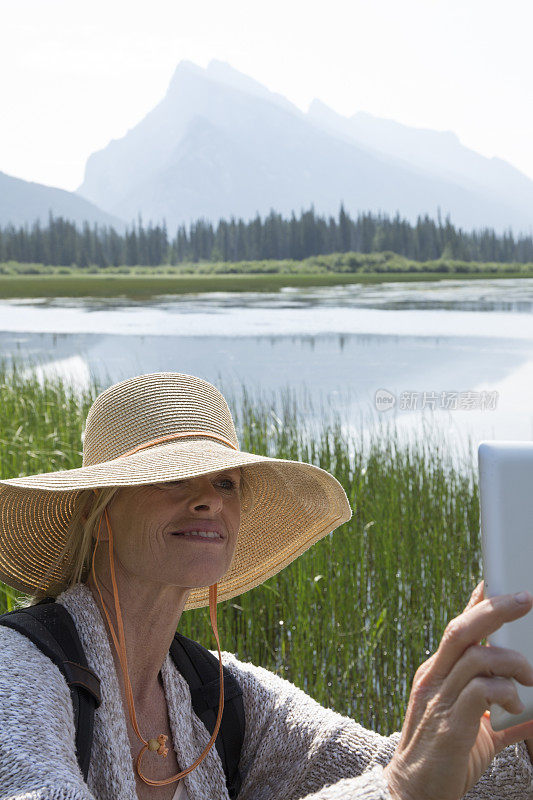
(165, 506)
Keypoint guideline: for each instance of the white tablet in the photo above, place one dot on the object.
(506, 506)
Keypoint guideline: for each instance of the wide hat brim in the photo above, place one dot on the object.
(293, 505)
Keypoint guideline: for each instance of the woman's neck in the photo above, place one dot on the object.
(150, 616)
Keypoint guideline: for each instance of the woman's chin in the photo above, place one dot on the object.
(199, 572)
(199, 580)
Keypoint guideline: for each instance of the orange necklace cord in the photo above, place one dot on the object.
(157, 744)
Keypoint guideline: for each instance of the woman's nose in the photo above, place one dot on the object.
(204, 494)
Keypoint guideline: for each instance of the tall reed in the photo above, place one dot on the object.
(351, 619)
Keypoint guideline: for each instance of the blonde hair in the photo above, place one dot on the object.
(81, 537)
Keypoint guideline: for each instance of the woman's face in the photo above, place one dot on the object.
(152, 529)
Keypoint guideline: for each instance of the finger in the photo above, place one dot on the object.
(470, 627)
(477, 697)
(516, 733)
(487, 662)
(476, 596)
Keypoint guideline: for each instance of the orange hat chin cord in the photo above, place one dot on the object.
(156, 745)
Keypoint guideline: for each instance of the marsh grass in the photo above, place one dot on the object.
(351, 620)
(142, 286)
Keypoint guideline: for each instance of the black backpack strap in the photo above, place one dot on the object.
(201, 671)
(51, 628)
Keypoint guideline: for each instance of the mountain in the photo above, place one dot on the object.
(221, 144)
(24, 202)
(224, 73)
(438, 153)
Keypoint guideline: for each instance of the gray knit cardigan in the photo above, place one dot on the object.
(293, 748)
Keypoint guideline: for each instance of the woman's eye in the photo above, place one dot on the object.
(230, 484)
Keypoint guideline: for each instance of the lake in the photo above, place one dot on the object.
(455, 353)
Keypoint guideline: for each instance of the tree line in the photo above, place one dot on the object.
(63, 243)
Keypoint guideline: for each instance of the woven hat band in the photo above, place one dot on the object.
(183, 435)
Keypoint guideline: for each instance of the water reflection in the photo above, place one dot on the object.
(340, 344)
(510, 294)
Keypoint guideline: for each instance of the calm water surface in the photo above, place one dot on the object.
(423, 343)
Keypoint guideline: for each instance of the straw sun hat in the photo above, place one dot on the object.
(293, 504)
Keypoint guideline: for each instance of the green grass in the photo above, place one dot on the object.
(351, 620)
(141, 287)
(141, 282)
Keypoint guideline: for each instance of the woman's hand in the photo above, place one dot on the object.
(447, 741)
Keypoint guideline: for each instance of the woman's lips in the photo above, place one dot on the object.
(212, 537)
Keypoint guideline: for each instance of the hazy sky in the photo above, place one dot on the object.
(76, 74)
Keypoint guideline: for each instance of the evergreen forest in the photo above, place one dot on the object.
(61, 242)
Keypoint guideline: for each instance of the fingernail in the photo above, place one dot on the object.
(522, 597)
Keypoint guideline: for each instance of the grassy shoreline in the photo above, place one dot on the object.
(334, 269)
(142, 286)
